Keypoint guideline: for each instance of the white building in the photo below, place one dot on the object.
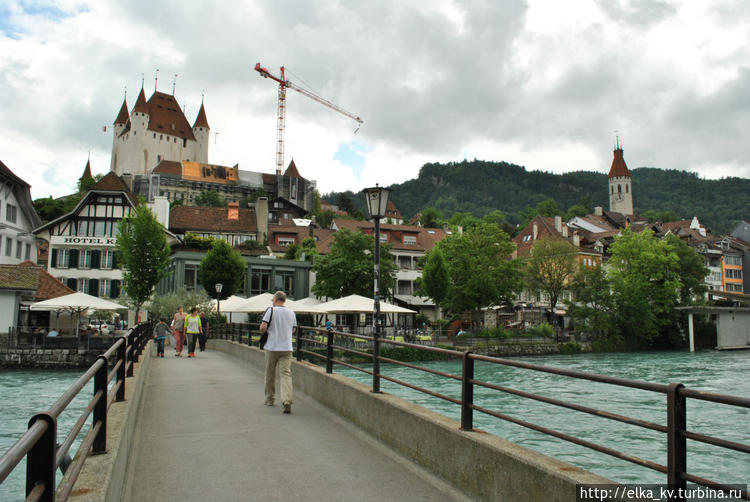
(18, 219)
(156, 130)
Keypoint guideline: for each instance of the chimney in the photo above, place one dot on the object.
(160, 207)
(598, 211)
(536, 231)
(261, 218)
(233, 211)
(576, 239)
(565, 231)
(558, 224)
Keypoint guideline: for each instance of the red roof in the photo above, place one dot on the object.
(618, 169)
(167, 117)
(140, 103)
(48, 286)
(201, 120)
(86, 171)
(123, 116)
(210, 219)
(292, 171)
(169, 167)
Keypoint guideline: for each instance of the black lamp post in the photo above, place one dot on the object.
(218, 287)
(377, 201)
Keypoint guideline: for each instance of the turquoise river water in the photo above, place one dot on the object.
(713, 371)
(25, 392)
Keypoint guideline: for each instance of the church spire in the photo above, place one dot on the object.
(140, 103)
(122, 117)
(87, 170)
(201, 120)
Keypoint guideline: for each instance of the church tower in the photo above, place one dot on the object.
(620, 184)
(201, 131)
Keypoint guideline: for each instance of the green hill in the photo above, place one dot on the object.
(480, 187)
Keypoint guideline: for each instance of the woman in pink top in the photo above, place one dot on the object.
(178, 326)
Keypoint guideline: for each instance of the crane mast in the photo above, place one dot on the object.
(283, 85)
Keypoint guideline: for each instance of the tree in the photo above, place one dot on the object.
(431, 218)
(209, 198)
(221, 265)
(576, 210)
(592, 310)
(550, 267)
(479, 269)
(644, 273)
(143, 254)
(692, 270)
(435, 280)
(464, 220)
(348, 268)
(547, 207)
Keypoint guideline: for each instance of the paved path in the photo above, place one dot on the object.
(205, 435)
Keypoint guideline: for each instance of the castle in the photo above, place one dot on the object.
(156, 130)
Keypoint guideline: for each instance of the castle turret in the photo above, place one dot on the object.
(201, 130)
(122, 122)
(620, 184)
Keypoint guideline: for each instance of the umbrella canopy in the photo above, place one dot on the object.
(232, 303)
(356, 303)
(77, 302)
(302, 307)
(255, 303)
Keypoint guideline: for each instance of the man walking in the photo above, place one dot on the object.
(279, 321)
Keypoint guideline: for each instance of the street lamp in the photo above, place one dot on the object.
(218, 287)
(377, 202)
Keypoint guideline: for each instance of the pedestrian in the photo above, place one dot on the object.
(193, 330)
(279, 321)
(161, 330)
(178, 328)
(204, 331)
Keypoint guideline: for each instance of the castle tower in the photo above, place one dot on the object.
(202, 133)
(620, 184)
(121, 123)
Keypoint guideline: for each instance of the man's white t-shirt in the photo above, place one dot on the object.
(280, 328)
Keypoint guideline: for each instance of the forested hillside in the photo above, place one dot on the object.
(480, 187)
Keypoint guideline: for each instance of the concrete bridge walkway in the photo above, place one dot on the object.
(205, 435)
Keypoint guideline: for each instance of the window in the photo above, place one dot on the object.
(285, 241)
(404, 287)
(284, 281)
(383, 237)
(63, 255)
(404, 262)
(191, 277)
(527, 238)
(99, 228)
(84, 258)
(83, 286)
(107, 258)
(733, 260)
(83, 227)
(8, 246)
(11, 213)
(733, 273)
(410, 240)
(28, 252)
(260, 281)
(737, 288)
(18, 249)
(105, 287)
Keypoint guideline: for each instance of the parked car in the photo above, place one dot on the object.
(104, 327)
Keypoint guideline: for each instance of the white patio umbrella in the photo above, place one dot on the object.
(302, 307)
(257, 303)
(76, 302)
(357, 303)
(231, 303)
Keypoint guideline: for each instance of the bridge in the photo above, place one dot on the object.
(197, 429)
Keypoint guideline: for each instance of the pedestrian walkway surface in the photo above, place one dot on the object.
(205, 435)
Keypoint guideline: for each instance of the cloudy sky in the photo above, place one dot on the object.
(540, 83)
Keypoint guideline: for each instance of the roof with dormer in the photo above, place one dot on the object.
(619, 168)
(201, 120)
(166, 116)
(123, 116)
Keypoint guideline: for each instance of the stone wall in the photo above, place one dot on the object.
(46, 358)
(491, 348)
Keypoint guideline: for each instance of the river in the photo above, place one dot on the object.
(24, 393)
(713, 371)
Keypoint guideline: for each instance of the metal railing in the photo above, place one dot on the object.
(676, 428)
(39, 443)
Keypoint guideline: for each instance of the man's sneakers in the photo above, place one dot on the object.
(287, 408)
(268, 402)
(192, 354)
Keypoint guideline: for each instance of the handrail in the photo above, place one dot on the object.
(676, 429)
(39, 443)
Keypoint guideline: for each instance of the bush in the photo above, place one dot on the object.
(612, 343)
(196, 242)
(496, 332)
(570, 348)
(544, 329)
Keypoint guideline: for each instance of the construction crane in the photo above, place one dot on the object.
(283, 85)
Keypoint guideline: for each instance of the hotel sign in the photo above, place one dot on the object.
(83, 241)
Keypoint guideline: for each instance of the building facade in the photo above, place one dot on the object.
(620, 184)
(18, 219)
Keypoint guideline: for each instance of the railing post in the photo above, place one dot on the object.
(329, 351)
(467, 392)
(376, 362)
(676, 441)
(122, 359)
(129, 353)
(136, 349)
(100, 408)
(40, 461)
(299, 344)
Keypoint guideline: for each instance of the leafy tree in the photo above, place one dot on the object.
(164, 306)
(495, 216)
(653, 216)
(209, 198)
(465, 220)
(435, 280)
(48, 209)
(325, 218)
(431, 218)
(348, 268)
(551, 266)
(592, 310)
(547, 207)
(176, 203)
(479, 269)
(85, 184)
(576, 210)
(143, 254)
(221, 265)
(644, 273)
(692, 270)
